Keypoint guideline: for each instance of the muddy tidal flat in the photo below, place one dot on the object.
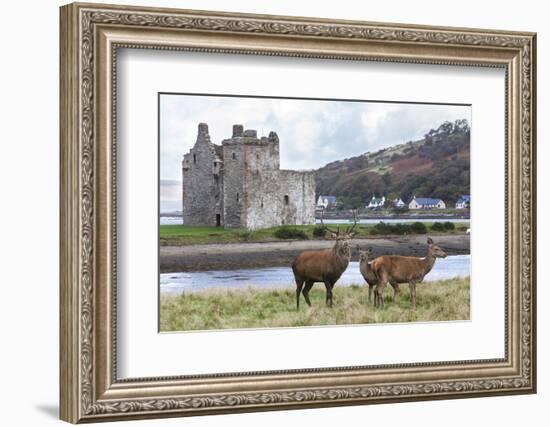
(234, 256)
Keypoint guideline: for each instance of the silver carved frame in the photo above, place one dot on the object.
(90, 36)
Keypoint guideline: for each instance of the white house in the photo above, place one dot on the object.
(463, 202)
(426, 203)
(376, 202)
(398, 203)
(324, 202)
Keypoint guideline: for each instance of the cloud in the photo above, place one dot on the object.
(312, 133)
(170, 195)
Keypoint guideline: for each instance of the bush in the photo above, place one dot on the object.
(400, 228)
(380, 228)
(437, 226)
(290, 233)
(443, 226)
(449, 226)
(319, 231)
(245, 236)
(419, 228)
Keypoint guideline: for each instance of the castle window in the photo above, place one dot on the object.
(233, 155)
(257, 156)
(286, 199)
(237, 197)
(194, 158)
(215, 164)
(262, 203)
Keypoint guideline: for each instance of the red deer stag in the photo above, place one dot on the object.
(324, 266)
(397, 269)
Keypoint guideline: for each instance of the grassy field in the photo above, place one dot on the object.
(254, 308)
(177, 235)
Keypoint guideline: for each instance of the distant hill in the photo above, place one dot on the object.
(436, 166)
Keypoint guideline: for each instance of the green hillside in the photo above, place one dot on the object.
(436, 166)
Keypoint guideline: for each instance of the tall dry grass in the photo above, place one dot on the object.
(260, 308)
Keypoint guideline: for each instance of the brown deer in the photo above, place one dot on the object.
(324, 266)
(365, 267)
(397, 269)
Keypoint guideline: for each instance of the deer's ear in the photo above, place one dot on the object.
(369, 249)
(430, 241)
(333, 235)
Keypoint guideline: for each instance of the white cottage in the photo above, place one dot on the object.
(426, 203)
(376, 202)
(463, 202)
(398, 203)
(324, 202)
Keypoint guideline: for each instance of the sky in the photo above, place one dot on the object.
(312, 133)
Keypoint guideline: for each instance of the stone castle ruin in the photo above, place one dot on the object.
(239, 184)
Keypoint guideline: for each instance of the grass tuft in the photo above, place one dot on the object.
(267, 308)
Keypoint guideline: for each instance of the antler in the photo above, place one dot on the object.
(350, 229)
(337, 232)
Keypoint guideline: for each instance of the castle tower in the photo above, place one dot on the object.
(202, 182)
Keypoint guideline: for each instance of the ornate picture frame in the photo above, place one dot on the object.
(90, 37)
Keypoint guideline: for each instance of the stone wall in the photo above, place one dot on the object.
(300, 187)
(245, 154)
(280, 197)
(202, 182)
(233, 185)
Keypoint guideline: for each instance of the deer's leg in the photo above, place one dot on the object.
(412, 286)
(299, 285)
(382, 281)
(377, 294)
(379, 290)
(305, 292)
(328, 300)
(331, 288)
(395, 290)
(370, 292)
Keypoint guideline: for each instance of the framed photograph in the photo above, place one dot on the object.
(267, 212)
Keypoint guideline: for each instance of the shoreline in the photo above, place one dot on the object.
(407, 217)
(232, 256)
(213, 291)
